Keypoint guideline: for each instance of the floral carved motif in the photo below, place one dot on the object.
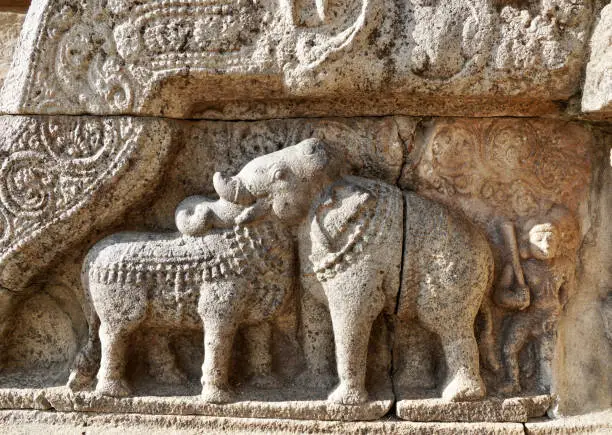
(518, 169)
(51, 168)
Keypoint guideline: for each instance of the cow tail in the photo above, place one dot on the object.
(87, 362)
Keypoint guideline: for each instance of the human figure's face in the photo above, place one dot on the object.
(543, 241)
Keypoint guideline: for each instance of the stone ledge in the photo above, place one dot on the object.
(517, 409)
(45, 422)
(37, 422)
(61, 399)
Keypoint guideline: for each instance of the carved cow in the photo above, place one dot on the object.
(220, 279)
(153, 280)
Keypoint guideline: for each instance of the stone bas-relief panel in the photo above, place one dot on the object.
(10, 23)
(299, 269)
(525, 183)
(246, 59)
(597, 93)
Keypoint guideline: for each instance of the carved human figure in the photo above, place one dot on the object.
(547, 246)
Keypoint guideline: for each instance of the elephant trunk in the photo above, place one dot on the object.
(232, 190)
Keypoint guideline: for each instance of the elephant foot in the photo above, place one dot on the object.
(464, 387)
(213, 394)
(113, 388)
(346, 395)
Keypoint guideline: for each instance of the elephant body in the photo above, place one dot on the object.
(363, 242)
(155, 280)
(447, 270)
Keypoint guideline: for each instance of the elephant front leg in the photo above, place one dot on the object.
(352, 319)
(111, 381)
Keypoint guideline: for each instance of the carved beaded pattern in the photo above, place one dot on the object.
(388, 204)
(249, 250)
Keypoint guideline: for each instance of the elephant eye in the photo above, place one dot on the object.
(279, 174)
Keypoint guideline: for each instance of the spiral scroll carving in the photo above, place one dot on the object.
(50, 167)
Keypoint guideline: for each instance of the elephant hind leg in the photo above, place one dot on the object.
(463, 381)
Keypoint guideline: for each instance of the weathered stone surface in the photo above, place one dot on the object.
(595, 423)
(55, 172)
(27, 422)
(10, 26)
(584, 374)
(298, 349)
(597, 91)
(321, 267)
(519, 409)
(78, 57)
(281, 407)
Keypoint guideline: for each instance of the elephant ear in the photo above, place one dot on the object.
(341, 221)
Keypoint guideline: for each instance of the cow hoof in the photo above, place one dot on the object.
(348, 396)
(214, 394)
(464, 388)
(266, 382)
(78, 381)
(509, 388)
(113, 388)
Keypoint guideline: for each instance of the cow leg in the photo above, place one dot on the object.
(111, 376)
(220, 319)
(162, 361)
(259, 351)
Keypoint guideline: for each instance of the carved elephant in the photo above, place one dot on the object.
(361, 242)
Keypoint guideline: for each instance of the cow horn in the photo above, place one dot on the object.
(232, 190)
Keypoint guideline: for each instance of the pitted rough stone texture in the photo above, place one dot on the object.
(63, 177)
(231, 61)
(350, 233)
(29, 422)
(597, 423)
(584, 374)
(519, 409)
(62, 400)
(10, 26)
(527, 198)
(597, 92)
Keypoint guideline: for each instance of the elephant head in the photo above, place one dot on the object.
(280, 184)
